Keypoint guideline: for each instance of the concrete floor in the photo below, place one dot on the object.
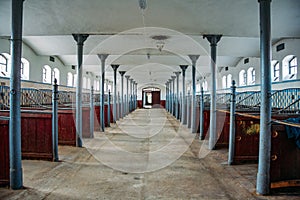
(147, 155)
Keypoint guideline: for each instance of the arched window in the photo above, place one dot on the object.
(3, 65)
(251, 76)
(88, 85)
(229, 80)
(84, 83)
(56, 75)
(242, 78)
(289, 67)
(46, 74)
(75, 80)
(275, 70)
(224, 82)
(205, 86)
(24, 69)
(69, 79)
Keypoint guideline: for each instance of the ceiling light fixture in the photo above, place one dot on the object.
(160, 45)
(143, 4)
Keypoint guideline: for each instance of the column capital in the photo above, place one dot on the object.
(122, 73)
(173, 78)
(127, 77)
(212, 39)
(102, 57)
(115, 67)
(131, 79)
(177, 74)
(194, 58)
(183, 67)
(259, 1)
(80, 38)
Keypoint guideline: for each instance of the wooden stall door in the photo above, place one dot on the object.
(155, 99)
(4, 153)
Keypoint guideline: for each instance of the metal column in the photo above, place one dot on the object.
(16, 174)
(166, 104)
(108, 109)
(115, 68)
(232, 125)
(92, 112)
(131, 94)
(127, 93)
(183, 103)
(263, 175)
(79, 38)
(213, 40)
(55, 120)
(177, 95)
(201, 124)
(173, 95)
(122, 93)
(194, 59)
(102, 57)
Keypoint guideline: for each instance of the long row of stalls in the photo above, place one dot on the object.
(285, 129)
(36, 123)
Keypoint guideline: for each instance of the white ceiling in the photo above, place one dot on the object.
(117, 28)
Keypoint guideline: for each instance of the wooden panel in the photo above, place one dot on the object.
(285, 159)
(223, 123)
(247, 139)
(36, 131)
(66, 127)
(155, 99)
(140, 103)
(86, 122)
(163, 103)
(4, 153)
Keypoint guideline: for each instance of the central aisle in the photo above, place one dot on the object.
(146, 155)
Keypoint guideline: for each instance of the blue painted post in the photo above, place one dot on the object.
(201, 124)
(180, 106)
(173, 95)
(232, 125)
(213, 40)
(194, 59)
(263, 175)
(108, 109)
(183, 107)
(122, 93)
(55, 120)
(16, 174)
(177, 95)
(80, 39)
(115, 67)
(167, 96)
(102, 57)
(127, 93)
(92, 113)
(136, 94)
(188, 104)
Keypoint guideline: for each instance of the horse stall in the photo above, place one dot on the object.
(36, 134)
(4, 152)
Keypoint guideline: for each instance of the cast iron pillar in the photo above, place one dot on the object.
(16, 174)
(122, 94)
(213, 40)
(173, 95)
(232, 125)
(167, 91)
(183, 103)
(131, 95)
(92, 112)
(102, 57)
(201, 124)
(136, 89)
(115, 68)
(127, 93)
(55, 120)
(263, 175)
(177, 95)
(194, 59)
(80, 39)
(108, 108)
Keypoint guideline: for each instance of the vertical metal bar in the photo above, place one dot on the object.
(173, 95)
(55, 120)
(201, 124)
(79, 38)
(183, 107)
(92, 112)
(232, 125)
(213, 40)
(177, 94)
(127, 93)
(122, 93)
(16, 174)
(115, 67)
(188, 105)
(166, 104)
(108, 109)
(131, 94)
(102, 57)
(194, 59)
(263, 175)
